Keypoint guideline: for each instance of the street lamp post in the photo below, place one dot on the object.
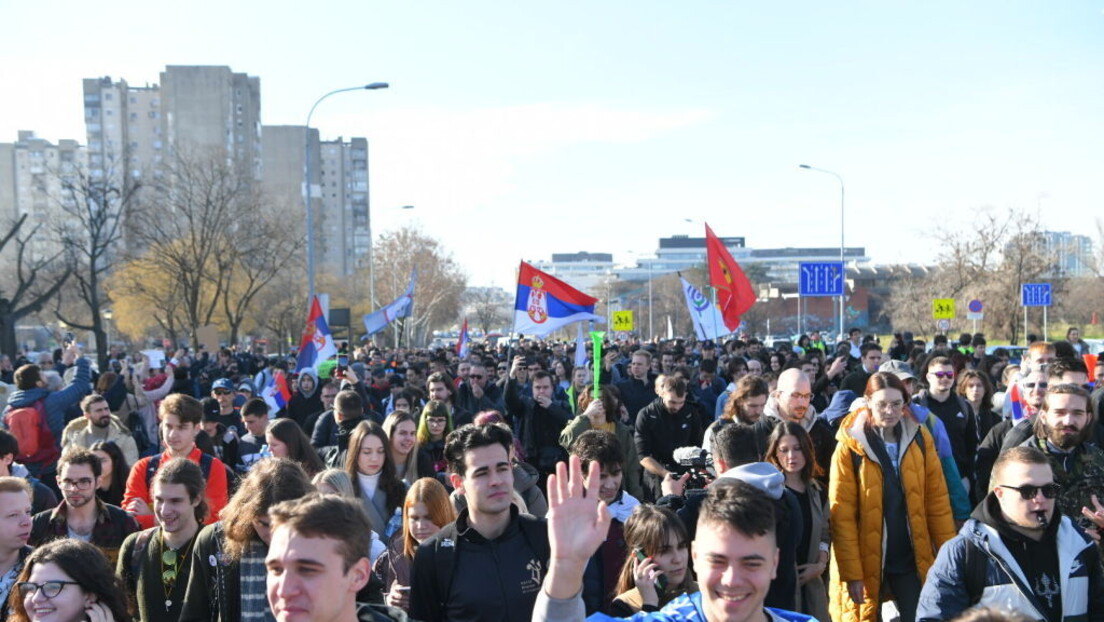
(307, 190)
(843, 263)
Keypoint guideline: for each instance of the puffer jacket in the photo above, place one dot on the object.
(855, 497)
(1002, 583)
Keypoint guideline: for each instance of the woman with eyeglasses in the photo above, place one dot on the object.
(888, 504)
(68, 581)
(433, 426)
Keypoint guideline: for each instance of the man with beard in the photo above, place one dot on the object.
(662, 427)
(1009, 433)
(749, 399)
(1016, 554)
(99, 425)
(1063, 431)
(791, 402)
(80, 514)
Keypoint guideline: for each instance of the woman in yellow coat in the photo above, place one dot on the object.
(889, 507)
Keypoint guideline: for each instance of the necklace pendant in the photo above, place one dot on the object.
(168, 604)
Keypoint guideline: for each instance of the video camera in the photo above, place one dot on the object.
(698, 463)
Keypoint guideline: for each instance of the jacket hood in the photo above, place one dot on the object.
(25, 397)
(852, 433)
(840, 405)
(771, 412)
(762, 475)
(299, 383)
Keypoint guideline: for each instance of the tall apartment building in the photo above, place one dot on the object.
(339, 191)
(284, 148)
(195, 109)
(33, 172)
(345, 220)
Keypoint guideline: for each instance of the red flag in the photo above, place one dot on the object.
(734, 293)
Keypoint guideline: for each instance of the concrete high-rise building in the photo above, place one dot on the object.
(124, 129)
(345, 221)
(284, 148)
(196, 110)
(33, 174)
(339, 191)
(213, 109)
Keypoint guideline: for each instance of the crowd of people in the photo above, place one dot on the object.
(668, 480)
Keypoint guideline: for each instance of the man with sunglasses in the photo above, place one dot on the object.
(1017, 552)
(223, 392)
(956, 414)
(1033, 388)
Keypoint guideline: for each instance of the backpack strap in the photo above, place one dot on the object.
(151, 469)
(444, 554)
(974, 575)
(535, 532)
(140, 544)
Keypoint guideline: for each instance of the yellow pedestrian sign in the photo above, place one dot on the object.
(943, 308)
(622, 321)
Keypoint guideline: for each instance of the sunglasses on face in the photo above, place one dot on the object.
(1028, 491)
(943, 374)
(476, 376)
(222, 392)
(1032, 385)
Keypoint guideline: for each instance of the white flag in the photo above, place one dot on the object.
(708, 323)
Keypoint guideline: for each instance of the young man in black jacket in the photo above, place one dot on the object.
(489, 544)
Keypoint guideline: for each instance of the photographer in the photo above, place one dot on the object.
(733, 460)
(668, 422)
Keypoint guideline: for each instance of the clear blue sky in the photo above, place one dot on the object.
(521, 129)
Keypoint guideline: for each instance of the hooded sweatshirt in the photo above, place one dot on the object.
(304, 403)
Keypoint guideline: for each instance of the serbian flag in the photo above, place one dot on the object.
(277, 394)
(317, 343)
(462, 343)
(734, 293)
(1016, 401)
(545, 303)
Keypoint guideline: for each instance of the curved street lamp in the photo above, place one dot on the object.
(843, 263)
(307, 190)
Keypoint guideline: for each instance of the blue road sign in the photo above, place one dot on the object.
(822, 278)
(1035, 295)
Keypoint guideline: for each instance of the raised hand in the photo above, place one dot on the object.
(577, 525)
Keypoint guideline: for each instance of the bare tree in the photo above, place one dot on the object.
(32, 281)
(264, 246)
(489, 308)
(190, 238)
(440, 279)
(92, 211)
(989, 260)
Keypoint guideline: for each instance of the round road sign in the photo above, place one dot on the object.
(974, 306)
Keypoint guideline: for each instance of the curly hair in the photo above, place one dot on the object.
(86, 565)
(269, 482)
